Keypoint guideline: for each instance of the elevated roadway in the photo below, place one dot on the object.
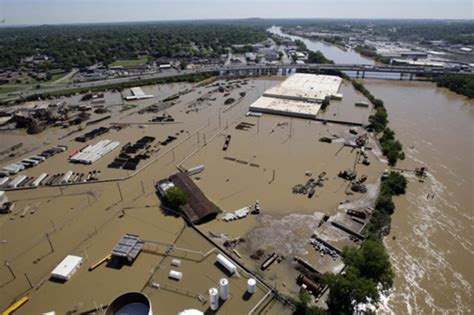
(250, 70)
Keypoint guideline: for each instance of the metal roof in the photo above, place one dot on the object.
(129, 246)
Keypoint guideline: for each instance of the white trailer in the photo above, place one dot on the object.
(17, 181)
(11, 170)
(38, 158)
(3, 180)
(66, 177)
(195, 170)
(67, 268)
(38, 180)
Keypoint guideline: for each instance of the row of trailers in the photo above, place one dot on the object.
(32, 161)
(70, 177)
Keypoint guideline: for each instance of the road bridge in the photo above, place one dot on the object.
(360, 70)
(254, 70)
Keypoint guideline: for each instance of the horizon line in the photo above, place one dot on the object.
(235, 19)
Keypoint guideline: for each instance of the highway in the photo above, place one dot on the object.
(247, 70)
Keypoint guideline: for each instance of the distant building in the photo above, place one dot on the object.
(251, 56)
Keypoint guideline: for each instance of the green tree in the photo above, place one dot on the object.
(385, 203)
(372, 262)
(174, 198)
(394, 184)
(348, 289)
(183, 64)
(303, 307)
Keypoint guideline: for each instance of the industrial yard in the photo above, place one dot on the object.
(280, 185)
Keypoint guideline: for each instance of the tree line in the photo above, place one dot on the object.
(84, 45)
(461, 84)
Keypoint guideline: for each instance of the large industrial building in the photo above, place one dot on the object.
(285, 107)
(306, 87)
(300, 95)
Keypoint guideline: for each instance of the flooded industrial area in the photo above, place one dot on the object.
(282, 191)
(431, 239)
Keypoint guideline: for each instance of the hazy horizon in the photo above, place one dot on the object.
(39, 12)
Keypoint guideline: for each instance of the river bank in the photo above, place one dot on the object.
(431, 238)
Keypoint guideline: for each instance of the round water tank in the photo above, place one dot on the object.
(130, 303)
(214, 299)
(224, 289)
(251, 285)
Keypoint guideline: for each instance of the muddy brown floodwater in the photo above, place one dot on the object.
(431, 242)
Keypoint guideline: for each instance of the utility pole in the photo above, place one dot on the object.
(10, 269)
(143, 187)
(50, 243)
(29, 282)
(120, 191)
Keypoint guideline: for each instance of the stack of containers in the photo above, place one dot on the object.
(91, 154)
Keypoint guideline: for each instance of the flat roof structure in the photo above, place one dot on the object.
(67, 267)
(306, 87)
(138, 94)
(128, 247)
(286, 107)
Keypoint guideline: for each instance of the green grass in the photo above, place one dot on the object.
(129, 62)
(9, 89)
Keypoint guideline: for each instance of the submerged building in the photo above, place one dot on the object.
(198, 208)
(300, 95)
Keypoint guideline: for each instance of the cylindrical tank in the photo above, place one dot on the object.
(135, 303)
(224, 289)
(251, 285)
(176, 275)
(226, 263)
(214, 299)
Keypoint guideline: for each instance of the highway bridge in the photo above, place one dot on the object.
(360, 70)
(410, 72)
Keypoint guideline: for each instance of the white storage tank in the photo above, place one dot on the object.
(175, 262)
(226, 263)
(251, 285)
(224, 289)
(213, 299)
(176, 275)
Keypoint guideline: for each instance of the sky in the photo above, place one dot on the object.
(34, 12)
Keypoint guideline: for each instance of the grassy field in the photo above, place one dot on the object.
(129, 62)
(9, 89)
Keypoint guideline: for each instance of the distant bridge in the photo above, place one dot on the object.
(360, 70)
(255, 70)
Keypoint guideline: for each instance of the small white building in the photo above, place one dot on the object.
(67, 268)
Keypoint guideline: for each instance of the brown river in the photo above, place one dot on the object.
(432, 236)
(432, 240)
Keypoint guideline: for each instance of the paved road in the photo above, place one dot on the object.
(244, 68)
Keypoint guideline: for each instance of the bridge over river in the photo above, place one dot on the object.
(358, 69)
(411, 72)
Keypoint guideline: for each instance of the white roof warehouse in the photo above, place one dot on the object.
(300, 95)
